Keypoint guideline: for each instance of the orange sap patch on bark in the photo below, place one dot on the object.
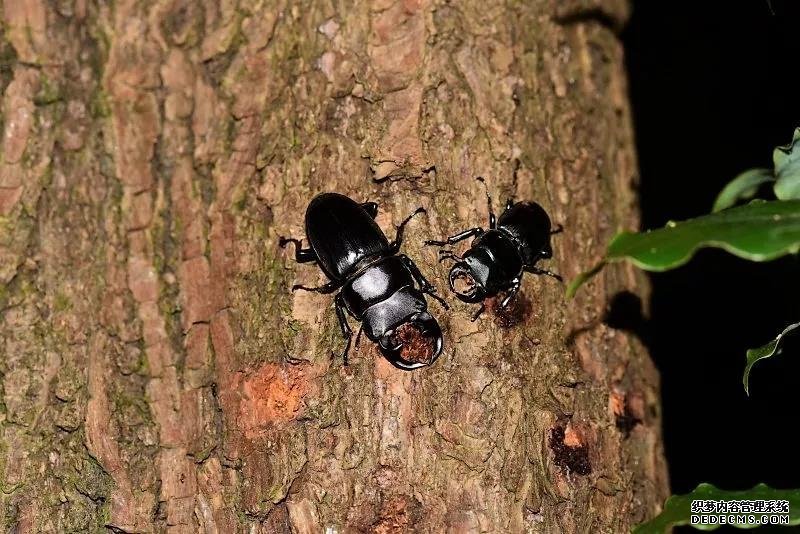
(273, 395)
(572, 438)
(616, 402)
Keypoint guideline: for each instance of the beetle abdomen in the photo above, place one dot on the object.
(342, 234)
(528, 223)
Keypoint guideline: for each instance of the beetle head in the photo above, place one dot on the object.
(414, 343)
(465, 284)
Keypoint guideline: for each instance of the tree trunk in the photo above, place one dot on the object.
(159, 375)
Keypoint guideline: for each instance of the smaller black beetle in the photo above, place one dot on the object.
(498, 257)
(377, 284)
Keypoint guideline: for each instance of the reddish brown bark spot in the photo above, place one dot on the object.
(396, 515)
(278, 520)
(513, 314)
(570, 452)
(616, 402)
(396, 519)
(627, 411)
(273, 395)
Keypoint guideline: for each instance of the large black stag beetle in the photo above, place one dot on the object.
(376, 283)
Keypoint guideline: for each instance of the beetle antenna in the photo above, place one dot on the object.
(492, 219)
(398, 239)
(545, 272)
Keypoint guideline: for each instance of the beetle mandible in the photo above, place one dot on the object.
(376, 282)
(498, 257)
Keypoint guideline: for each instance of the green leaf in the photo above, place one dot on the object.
(765, 351)
(758, 231)
(787, 169)
(743, 186)
(677, 509)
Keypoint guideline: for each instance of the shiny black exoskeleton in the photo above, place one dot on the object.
(376, 283)
(498, 257)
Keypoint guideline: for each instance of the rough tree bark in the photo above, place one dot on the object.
(152, 153)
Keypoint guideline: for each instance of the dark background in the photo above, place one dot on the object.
(714, 87)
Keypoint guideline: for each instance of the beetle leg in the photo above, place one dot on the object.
(478, 313)
(437, 298)
(398, 238)
(347, 334)
(537, 270)
(358, 336)
(301, 255)
(492, 218)
(424, 285)
(453, 239)
(511, 294)
(448, 255)
(325, 289)
(371, 208)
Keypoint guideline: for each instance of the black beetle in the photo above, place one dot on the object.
(377, 283)
(498, 257)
